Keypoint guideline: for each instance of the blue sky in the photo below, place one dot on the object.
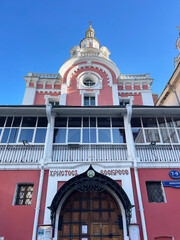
(36, 36)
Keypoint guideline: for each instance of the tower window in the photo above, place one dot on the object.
(24, 194)
(88, 82)
(89, 101)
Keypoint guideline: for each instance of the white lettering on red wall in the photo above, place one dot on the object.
(63, 173)
(114, 172)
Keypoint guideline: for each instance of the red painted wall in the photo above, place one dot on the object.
(17, 221)
(73, 94)
(39, 98)
(162, 219)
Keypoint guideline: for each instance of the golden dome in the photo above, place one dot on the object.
(90, 32)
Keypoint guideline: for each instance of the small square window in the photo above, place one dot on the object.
(24, 194)
(155, 192)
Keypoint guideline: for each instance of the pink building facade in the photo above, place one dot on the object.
(88, 155)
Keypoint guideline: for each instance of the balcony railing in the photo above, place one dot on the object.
(158, 153)
(21, 153)
(82, 153)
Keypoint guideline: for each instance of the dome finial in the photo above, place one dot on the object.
(90, 23)
(90, 32)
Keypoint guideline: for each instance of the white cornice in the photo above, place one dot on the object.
(48, 90)
(76, 60)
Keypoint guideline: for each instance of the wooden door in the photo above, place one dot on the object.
(90, 216)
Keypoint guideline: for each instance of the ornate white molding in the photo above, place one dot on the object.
(90, 65)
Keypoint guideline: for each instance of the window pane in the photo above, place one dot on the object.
(2, 121)
(152, 135)
(149, 122)
(26, 134)
(103, 122)
(136, 122)
(40, 135)
(86, 101)
(154, 191)
(92, 122)
(177, 122)
(5, 135)
(178, 130)
(92, 101)
(138, 135)
(42, 122)
(0, 132)
(119, 135)
(161, 122)
(74, 135)
(74, 122)
(59, 135)
(85, 122)
(104, 135)
(60, 122)
(29, 122)
(169, 122)
(173, 135)
(9, 121)
(24, 194)
(16, 122)
(165, 136)
(13, 135)
(86, 135)
(117, 122)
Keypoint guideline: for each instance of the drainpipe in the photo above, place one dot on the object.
(46, 155)
(176, 96)
(132, 154)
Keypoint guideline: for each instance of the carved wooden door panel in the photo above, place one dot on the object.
(90, 216)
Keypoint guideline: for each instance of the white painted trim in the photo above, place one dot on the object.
(95, 77)
(48, 90)
(100, 67)
(115, 94)
(78, 59)
(94, 93)
(63, 94)
(49, 98)
(29, 96)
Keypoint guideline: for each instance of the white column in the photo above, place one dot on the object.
(47, 156)
(115, 94)
(134, 231)
(132, 155)
(29, 96)
(63, 94)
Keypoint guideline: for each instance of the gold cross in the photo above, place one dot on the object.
(178, 28)
(90, 22)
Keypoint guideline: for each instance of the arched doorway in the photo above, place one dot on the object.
(90, 215)
(91, 182)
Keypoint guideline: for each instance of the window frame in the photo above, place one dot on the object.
(161, 188)
(15, 199)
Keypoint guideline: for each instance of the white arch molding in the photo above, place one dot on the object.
(58, 211)
(98, 66)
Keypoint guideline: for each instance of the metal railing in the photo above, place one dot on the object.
(83, 153)
(21, 153)
(158, 153)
